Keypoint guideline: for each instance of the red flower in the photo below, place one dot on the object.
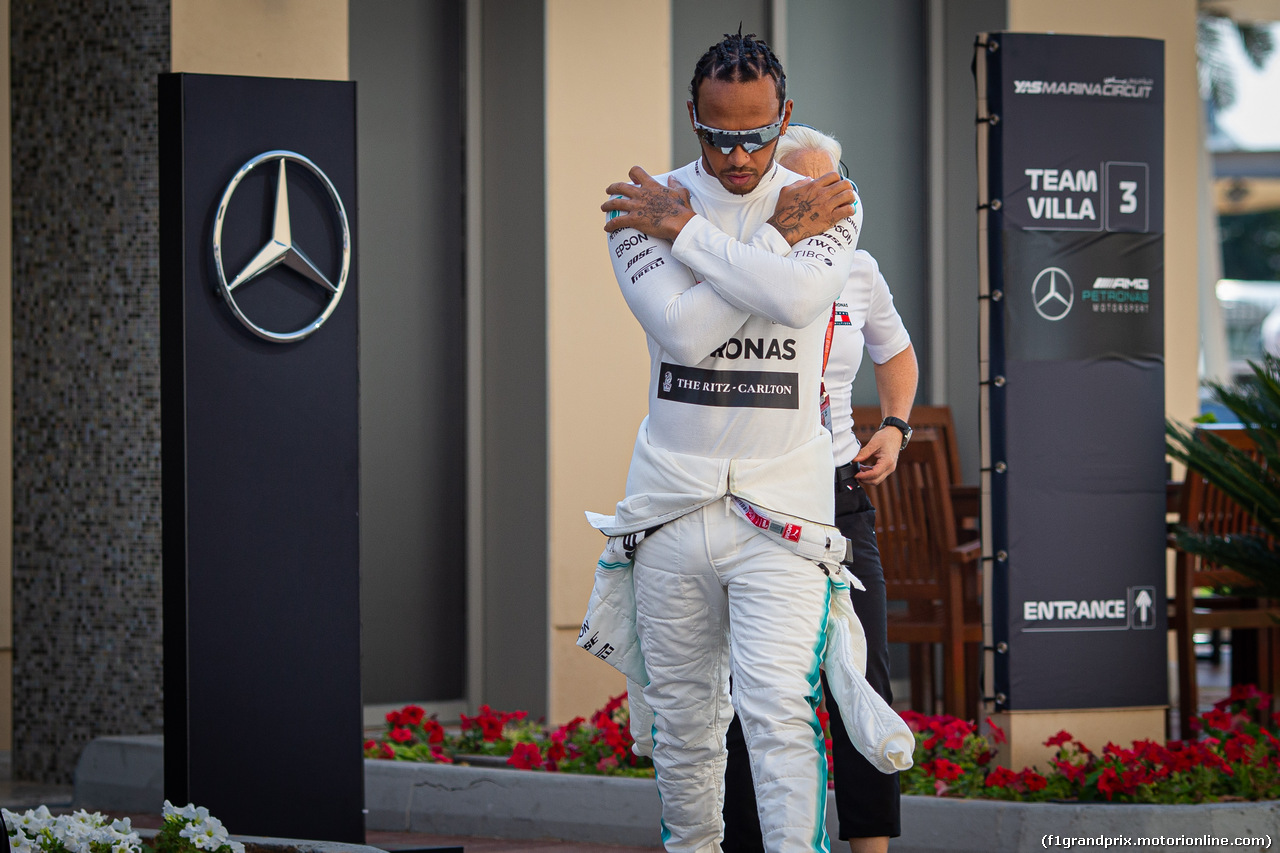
(1059, 739)
(1032, 780)
(997, 733)
(411, 715)
(525, 756)
(401, 735)
(614, 704)
(955, 732)
(916, 721)
(1109, 782)
(438, 754)
(944, 770)
(1001, 777)
(435, 731)
(370, 744)
(1074, 773)
(491, 728)
(1237, 747)
(607, 763)
(556, 751)
(387, 751)
(1216, 719)
(393, 718)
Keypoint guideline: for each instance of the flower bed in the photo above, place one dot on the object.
(601, 745)
(1234, 757)
(185, 830)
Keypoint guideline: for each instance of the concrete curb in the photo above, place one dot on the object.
(935, 824)
(121, 774)
(126, 774)
(445, 799)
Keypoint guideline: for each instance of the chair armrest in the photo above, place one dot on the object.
(968, 552)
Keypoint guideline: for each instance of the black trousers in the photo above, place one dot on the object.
(867, 801)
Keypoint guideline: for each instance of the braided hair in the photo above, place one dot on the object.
(739, 59)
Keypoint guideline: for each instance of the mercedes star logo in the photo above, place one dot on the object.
(280, 247)
(1052, 293)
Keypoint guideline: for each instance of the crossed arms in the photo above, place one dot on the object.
(790, 271)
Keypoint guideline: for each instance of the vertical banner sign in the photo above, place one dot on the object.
(1071, 219)
(260, 405)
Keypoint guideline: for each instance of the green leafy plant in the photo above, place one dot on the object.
(1251, 483)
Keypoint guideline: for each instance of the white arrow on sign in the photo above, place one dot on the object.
(1143, 602)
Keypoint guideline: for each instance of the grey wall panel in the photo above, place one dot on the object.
(405, 60)
(86, 377)
(695, 26)
(856, 71)
(514, 372)
(964, 19)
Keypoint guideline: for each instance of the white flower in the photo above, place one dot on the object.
(19, 842)
(208, 834)
(32, 820)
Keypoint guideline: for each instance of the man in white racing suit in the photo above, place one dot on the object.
(732, 270)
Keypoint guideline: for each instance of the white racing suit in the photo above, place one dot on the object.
(736, 320)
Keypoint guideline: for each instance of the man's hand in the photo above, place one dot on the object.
(881, 454)
(647, 206)
(807, 208)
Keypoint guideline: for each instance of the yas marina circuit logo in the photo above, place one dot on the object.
(1052, 293)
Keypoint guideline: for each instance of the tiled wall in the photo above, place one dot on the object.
(86, 376)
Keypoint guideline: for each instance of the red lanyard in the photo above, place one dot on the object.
(826, 348)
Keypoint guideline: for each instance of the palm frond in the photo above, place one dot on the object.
(1251, 556)
(1248, 480)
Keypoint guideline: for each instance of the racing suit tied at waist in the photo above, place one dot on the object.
(609, 633)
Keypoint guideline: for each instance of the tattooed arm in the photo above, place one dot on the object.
(647, 206)
(766, 276)
(807, 208)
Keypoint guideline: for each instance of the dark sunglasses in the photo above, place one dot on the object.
(725, 141)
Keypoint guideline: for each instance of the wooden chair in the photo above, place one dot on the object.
(938, 578)
(1203, 508)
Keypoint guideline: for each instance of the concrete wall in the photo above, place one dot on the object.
(597, 361)
(1174, 21)
(513, 374)
(6, 397)
(405, 61)
(86, 426)
(856, 71)
(261, 38)
(957, 260)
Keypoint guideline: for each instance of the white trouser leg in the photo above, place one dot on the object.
(682, 619)
(778, 604)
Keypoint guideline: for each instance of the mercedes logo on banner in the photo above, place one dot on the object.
(1052, 293)
(281, 247)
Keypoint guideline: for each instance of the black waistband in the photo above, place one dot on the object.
(846, 472)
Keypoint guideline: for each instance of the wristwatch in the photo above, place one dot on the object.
(899, 424)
